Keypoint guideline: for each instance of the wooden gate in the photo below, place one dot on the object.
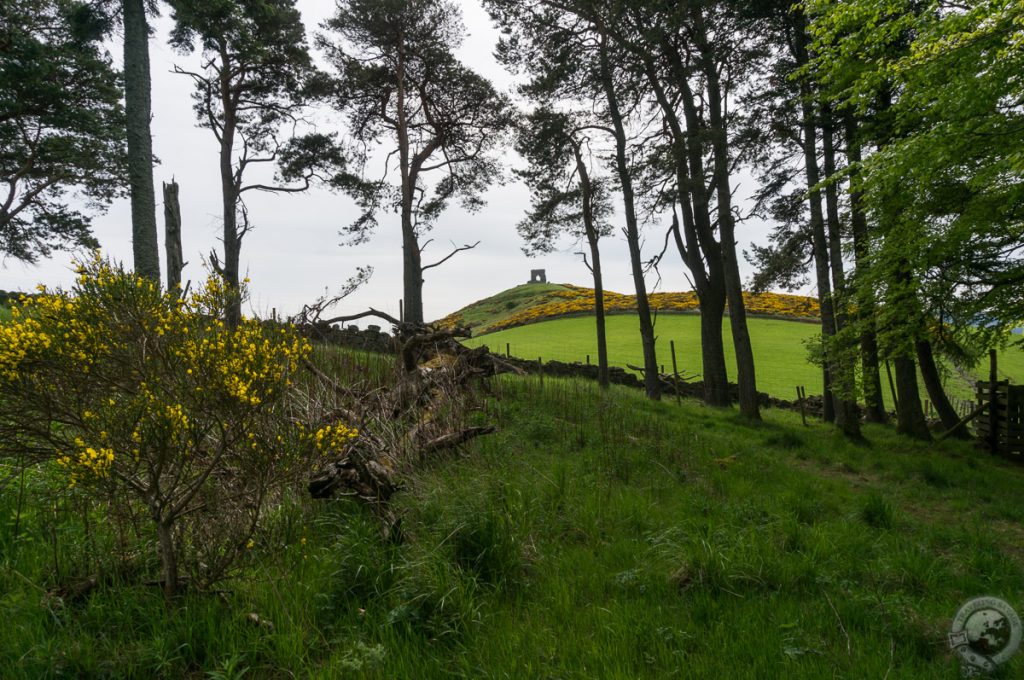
(1007, 435)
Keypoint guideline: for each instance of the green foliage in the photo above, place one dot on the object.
(937, 88)
(154, 414)
(400, 85)
(62, 154)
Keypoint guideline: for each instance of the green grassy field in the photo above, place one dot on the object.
(780, 352)
(594, 536)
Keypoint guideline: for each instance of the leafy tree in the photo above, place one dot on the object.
(400, 85)
(179, 428)
(567, 198)
(695, 56)
(61, 127)
(255, 81)
(944, 186)
(840, 388)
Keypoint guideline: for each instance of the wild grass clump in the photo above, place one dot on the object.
(876, 511)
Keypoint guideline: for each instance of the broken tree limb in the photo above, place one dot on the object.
(422, 412)
(456, 438)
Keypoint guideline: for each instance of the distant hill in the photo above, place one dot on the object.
(533, 302)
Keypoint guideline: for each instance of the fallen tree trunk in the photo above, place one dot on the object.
(420, 414)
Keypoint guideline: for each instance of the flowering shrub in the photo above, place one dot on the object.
(147, 401)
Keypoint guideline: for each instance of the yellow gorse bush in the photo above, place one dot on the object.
(158, 357)
(333, 439)
(148, 399)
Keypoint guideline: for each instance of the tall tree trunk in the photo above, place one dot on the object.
(712, 312)
(652, 379)
(706, 272)
(602, 339)
(168, 557)
(412, 266)
(590, 230)
(172, 237)
(910, 416)
(137, 98)
(870, 365)
(846, 420)
(844, 380)
(696, 181)
(933, 384)
(230, 193)
(745, 371)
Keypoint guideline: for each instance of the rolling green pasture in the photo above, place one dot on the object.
(780, 350)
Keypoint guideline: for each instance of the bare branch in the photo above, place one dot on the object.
(449, 256)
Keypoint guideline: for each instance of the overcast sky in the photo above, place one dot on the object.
(295, 251)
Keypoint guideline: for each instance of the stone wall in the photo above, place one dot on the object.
(669, 385)
(373, 339)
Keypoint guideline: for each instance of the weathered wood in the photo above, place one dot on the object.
(172, 236)
(675, 370)
(971, 416)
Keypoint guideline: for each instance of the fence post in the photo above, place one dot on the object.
(800, 400)
(675, 370)
(508, 351)
(540, 366)
(588, 360)
(993, 403)
(401, 310)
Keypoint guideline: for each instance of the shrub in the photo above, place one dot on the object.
(148, 404)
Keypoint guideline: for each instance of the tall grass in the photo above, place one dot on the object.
(594, 535)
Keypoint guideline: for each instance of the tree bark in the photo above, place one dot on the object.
(870, 365)
(412, 264)
(168, 556)
(652, 380)
(230, 192)
(845, 412)
(745, 371)
(706, 271)
(910, 416)
(590, 229)
(137, 98)
(844, 379)
(933, 384)
(172, 237)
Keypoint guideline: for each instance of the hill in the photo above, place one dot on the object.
(594, 536)
(557, 323)
(533, 302)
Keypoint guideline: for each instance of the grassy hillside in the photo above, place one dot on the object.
(489, 311)
(780, 351)
(530, 303)
(594, 536)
